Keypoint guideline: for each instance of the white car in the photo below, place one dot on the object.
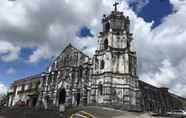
(177, 113)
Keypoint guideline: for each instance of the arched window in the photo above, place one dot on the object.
(100, 89)
(106, 43)
(102, 65)
(107, 27)
(96, 62)
(80, 72)
(96, 59)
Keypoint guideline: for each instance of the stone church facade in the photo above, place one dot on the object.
(109, 78)
(68, 76)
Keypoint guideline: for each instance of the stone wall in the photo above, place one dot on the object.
(158, 100)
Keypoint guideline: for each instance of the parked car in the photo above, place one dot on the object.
(177, 114)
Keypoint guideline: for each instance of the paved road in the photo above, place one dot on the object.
(101, 112)
(82, 114)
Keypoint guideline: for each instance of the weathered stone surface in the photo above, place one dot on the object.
(114, 79)
(69, 72)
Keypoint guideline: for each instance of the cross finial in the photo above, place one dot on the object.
(115, 5)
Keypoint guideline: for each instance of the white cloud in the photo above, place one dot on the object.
(43, 52)
(3, 89)
(139, 4)
(178, 4)
(87, 45)
(179, 89)
(11, 71)
(161, 78)
(12, 14)
(8, 51)
(48, 25)
(165, 42)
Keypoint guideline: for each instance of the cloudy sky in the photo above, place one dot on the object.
(33, 32)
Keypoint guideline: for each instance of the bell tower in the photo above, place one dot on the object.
(115, 81)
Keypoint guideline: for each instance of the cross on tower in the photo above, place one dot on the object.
(115, 5)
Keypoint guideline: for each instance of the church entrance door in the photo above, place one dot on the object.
(78, 98)
(62, 96)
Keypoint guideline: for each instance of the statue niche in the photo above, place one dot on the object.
(105, 43)
(106, 27)
(100, 89)
(102, 64)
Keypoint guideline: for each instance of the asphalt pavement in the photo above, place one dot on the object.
(103, 112)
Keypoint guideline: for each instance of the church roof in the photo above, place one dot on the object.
(70, 46)
(28, 78)
(163, 89)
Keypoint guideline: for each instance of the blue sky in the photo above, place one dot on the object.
(22, 68)
(155, 10)
(32, 33)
